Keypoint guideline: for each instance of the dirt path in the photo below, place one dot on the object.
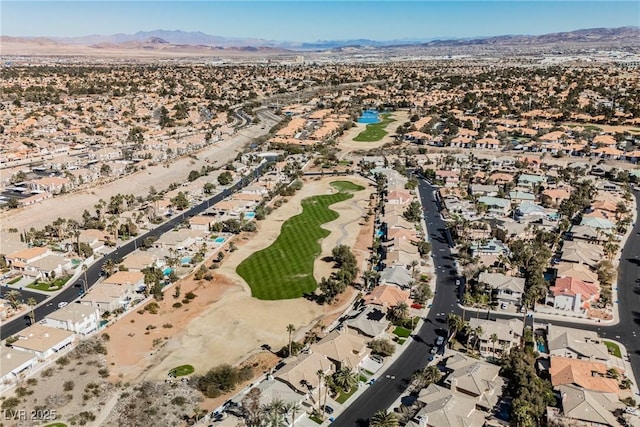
(159, 176)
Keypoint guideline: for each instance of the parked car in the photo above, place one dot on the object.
(376, 358)
(328, 409)
(62, 304)
(440, 340)
(434, 349)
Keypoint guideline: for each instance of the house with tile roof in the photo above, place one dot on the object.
(582, 373)
(387, 296)
(585, 407)
(572, 294)
(343, 348)
(475, 378)
(443, 407)
(370, 322)
(576, 344)
(508, 289)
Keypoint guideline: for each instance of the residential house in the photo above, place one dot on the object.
(587, 233)
(529, 211)
(478, 190)
(178, 239)
(508, 289)
(272, 390)
(51, 184)
(581, 253)
(521, 196)
(396, 275)
(573, 294)
(399, 197)
(78, 318)
(387, 296)
(449, 177)
(43, 341)
(475, 378)
(139, 260)
(50, 266)
(444, 407)
(576, 344)
(108, 297)
(95, 238)
(582, 373)
(498, 336)
(370, 322)
(577, 271)
(496, 206)
(531, 181)
(201, 222)
(132, 279)
(301, 374)
(491, 247)
(598, 223)
(344, 349)
(14, 364)
(580, 407)
(21, 258)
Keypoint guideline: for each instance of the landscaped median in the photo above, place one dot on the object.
(284, 270)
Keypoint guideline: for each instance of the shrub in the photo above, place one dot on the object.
(152, 307)
(167, 326)
(10, 403)
(150, 327)
(179, 400)
(382, 347)
(104, 372)
(190, 295)
(63, 361)
(68, 385)
(222, 379)
(177, 305)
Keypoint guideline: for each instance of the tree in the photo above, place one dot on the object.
(382, 347)
(345, 378)
(399, 311)
(290, 329)
(208, 187)
(12, 297)
(31, 302)
(494, 340)
(383, 419)
(413, 213)
(108, 267)
(12, 203)
(180, 201)
(225, 178)
(293, 408)
(455, 324)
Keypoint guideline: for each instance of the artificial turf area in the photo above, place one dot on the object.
(376, 131)
(182, 370)
(284, 270)
(346, 186)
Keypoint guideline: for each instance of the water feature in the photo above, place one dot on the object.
(369, 117)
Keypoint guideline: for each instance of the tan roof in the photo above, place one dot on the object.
(125, 278)
(41, 338)
(387, 296)
(72, 313)
(11, 359)
(304, 369)
(583, 373)
(343, 347)
(29, 253)
(201, 220)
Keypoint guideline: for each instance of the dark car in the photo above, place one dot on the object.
(328, 409)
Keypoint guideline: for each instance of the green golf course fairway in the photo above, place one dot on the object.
(284, 270)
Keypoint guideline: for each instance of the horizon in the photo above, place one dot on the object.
(288, 21)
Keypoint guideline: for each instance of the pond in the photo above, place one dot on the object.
(369, 117)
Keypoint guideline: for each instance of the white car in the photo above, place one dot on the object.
(62, 304)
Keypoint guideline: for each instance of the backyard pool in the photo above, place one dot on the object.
(185, 260)
(249, 215)
(219, 240)
(369, 117)
(379, 233)
(167, 271)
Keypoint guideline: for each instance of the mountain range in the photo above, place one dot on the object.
(176, 41)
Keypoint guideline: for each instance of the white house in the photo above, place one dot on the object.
(78, 318)
(43, 341)
(15, 362)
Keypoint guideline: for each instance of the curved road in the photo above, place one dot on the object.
(385, 391)
(72, 290)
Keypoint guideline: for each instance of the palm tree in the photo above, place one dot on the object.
(108, 267)
(12, 297)
(320, 374)
(494, 339)
(414, 264)
(274, 412)
(432, 374)
(455, 324)
(291, 329)
(478, 333)
(383, 419)
(293, 408)
(345, 378)
(399, 311)
(31, 302)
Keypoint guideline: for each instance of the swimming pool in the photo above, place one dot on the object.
(379, 233)
(219, 240)
(249, 215)
(369, 117)
(185, 260)
(167, 271)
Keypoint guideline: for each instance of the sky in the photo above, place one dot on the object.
(310, 20)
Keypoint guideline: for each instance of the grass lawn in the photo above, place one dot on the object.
(182, 370)
(316, 419)
(343, 397)
(402, 332)
(401, 340)
(56, 425)
(346, 186)
(376, 131)
(16, 280)
(49, 286)
(284, 270)
(613, 348)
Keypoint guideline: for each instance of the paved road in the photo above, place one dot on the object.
(72, 291)
(385, 390)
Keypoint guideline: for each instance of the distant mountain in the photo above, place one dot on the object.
(622, 35)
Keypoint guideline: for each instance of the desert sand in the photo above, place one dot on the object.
(224, 324)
